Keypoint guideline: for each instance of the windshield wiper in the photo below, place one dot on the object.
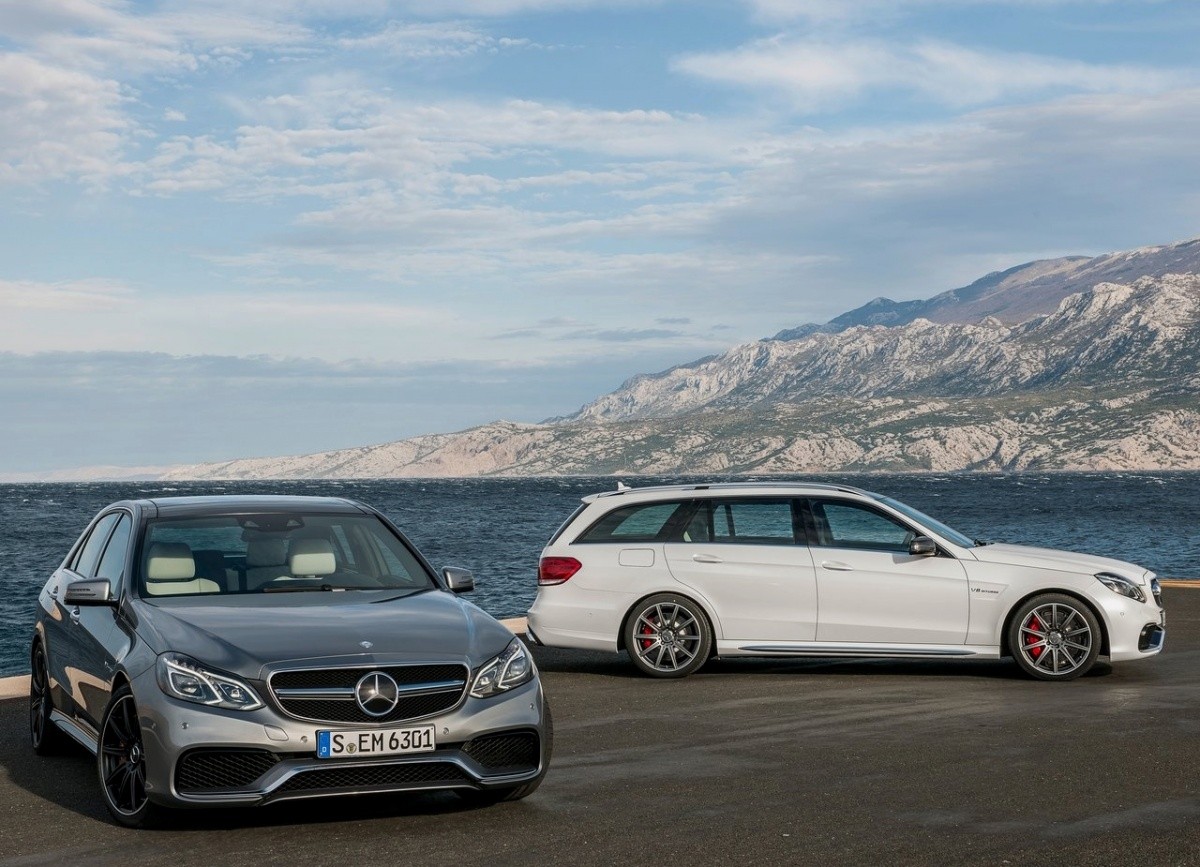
(310, 588)
(979, 543)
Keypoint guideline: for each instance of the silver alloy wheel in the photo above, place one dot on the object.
(122, 759)
(1055, 638)
(667, 636)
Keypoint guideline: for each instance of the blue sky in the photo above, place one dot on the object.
(232, 229)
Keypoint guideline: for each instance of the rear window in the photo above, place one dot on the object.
(640, 522)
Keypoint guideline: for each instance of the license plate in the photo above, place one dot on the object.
(376, 742)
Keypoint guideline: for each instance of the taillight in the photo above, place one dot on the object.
(556, 570)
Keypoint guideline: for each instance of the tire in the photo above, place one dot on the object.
(1054, 637)
(524, 790)
(667, 636)
(121, 764)
(46, 738)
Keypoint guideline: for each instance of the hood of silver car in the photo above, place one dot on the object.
(248, 635)
(1050, 558)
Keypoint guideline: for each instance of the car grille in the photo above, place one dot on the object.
(367, 777)
(327, 694)
(206, 771)
(505, 752)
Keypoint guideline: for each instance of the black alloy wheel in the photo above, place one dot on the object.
(47, 738)
(121, 762)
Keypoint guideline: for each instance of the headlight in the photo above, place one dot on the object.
(511, 668)
(182, 677)
(1118, 584)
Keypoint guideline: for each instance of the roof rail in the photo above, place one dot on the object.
(622, 488)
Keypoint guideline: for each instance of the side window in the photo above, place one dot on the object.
(743, 522)
(849, 525)
(112, 564)
(89, 554)
(344, 551)
(642, 522)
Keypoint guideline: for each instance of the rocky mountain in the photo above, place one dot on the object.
(1018, 293)
(1108, 379)
(1137, 332)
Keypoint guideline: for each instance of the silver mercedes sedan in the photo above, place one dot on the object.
(218, 651)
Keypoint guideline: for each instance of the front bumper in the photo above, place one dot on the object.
(1135, 629)
(197, 756)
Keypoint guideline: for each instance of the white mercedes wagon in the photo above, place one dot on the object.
(677, 575)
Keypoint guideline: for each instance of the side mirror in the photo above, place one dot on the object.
(458, 580)
(96, 591)
(922, 546)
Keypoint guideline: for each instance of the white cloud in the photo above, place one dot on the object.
(913, 211)
(102, 315)
(821, 74)
(174, 115)
(434, 40)
(827, 11)
(74, 296)
(57, 122)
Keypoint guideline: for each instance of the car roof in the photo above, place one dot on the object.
(244, 504)
(735, 488)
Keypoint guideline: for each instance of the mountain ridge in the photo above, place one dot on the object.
(1108, 380)
(1015, 294)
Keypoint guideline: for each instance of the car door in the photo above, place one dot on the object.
(84, 653)
(106, 642)
(871, 590)
(745, 556)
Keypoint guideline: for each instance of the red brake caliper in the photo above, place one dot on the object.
(646, 630)
(1034, 623)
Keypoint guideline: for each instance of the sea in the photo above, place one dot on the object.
(497, 527)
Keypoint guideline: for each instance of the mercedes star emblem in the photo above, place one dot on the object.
(365, 645)
(377, 694)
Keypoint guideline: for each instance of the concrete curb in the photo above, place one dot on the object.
(14, 687)
(18, 687)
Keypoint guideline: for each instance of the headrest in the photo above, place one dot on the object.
(265, 551)
(170, 561)
(180, 588)
(312, 557)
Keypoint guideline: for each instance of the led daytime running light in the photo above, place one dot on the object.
(186, 679)
(510, 669)
(1122, 585)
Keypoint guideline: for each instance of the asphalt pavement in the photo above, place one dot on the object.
(748, 762)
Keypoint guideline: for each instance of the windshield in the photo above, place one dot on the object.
(274, 553)
(947, 533)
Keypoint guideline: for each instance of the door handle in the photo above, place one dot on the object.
(75, 615)
(836, 566)
(706, 558)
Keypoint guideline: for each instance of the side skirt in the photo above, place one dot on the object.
(86, 738)
(877, 651)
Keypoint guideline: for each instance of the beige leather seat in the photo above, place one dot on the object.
(311, 558)
(171, 571)
(266, 560)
